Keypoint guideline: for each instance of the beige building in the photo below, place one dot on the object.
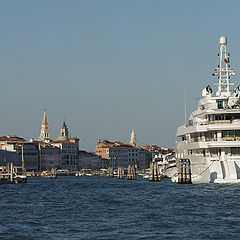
(117, 153)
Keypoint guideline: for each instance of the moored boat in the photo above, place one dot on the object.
(210, 141)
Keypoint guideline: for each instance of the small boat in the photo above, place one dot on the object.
(47, 174)
(145, 176)
(78, 174)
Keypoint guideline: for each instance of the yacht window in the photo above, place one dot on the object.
(220, 104)
(235, 151)
(231, 133)
(189, 152)
(228, 133)
(237, 133)
(204, 153)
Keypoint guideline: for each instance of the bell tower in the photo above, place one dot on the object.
(45, 131)
(64, 134)
(133, 140)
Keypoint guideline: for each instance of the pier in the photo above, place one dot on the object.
(13, 174)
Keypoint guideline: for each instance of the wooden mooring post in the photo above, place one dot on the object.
(11, 172)
(184, 171)
(155, 173)
(120, 172)
(131, 175)
(110, 172)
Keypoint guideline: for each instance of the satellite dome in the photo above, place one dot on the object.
(223, 40)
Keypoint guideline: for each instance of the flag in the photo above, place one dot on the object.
(226, 61)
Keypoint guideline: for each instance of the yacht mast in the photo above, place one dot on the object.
(223, 71)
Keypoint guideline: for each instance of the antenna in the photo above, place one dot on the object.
(185, 105)
(223, 71)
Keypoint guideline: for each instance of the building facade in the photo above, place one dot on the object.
(69, 153)
(26, 151)
(118, 153)
(49, 157)
(91, 161)
(8, 157)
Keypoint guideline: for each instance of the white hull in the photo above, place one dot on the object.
(214, 170)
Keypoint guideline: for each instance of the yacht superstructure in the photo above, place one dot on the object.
(211, 138)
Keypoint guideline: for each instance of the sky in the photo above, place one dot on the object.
(109, 66)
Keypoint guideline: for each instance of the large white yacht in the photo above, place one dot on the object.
(211, 138)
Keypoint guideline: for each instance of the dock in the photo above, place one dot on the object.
(12, 174)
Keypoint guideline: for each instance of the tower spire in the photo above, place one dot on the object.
(133, 140)
(45, 131)
(223, 71)
(63, 133)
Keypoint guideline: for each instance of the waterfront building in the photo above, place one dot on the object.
(117, 153)
(45, 130)
(158, 150)
(26, 150)
(91, 161)
(8, 157)
(144, 159)
(49, 157)
(69, 152)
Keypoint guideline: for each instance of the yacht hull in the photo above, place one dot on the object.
(213, 169)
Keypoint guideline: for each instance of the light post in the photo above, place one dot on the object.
(23, 163)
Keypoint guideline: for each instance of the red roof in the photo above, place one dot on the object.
(12, 138)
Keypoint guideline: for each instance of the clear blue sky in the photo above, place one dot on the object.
(109, 66)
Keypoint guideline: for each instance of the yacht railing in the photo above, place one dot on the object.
(201, 123)
(233, 158)
(213, 139)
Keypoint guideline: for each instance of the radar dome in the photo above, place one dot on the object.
(223, 40)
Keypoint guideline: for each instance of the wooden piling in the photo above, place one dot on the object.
(151, 172)
(24, 172)
(184, 171)
(11, 172)
(120, 172)
(131, 175)
(110, 172)
(188, 172)
(180, 172)
(8, 168)
(133, 172)
(155, 173)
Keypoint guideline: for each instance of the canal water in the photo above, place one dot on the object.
(100, 208)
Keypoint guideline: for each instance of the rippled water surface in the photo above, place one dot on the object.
(101, 208)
